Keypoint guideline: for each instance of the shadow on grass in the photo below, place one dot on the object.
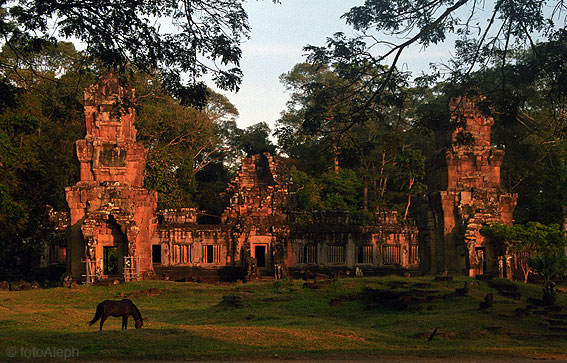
(131, 344)
(188, 323)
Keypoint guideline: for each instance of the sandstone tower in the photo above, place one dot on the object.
(111, 214)
(465, 193)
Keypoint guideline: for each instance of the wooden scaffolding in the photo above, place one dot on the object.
(93, 270)
(131, 268)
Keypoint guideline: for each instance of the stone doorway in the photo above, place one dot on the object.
(156, 254)
(112, 249)
(481, 258)
(110, 260)
(260, 255)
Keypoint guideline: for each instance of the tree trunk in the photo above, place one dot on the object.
(407, 207)
(412, 180)
(564, 224)
(334, 139)
(526, 270)
(522, 258)
(336, 158)
(383, 179)
(365, 195)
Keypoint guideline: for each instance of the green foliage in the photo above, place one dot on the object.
(326, 104)
(531, 240)
(499, 232)
(254, 139)
(328, 192)
(551, 267)
(37, 135)
(182, 142)
(340, 191)
(308, 196)
(547, 240)
(364, 217)
(123, 34)
(239, 143)
(315, 153)
(13, 216)
(162, 176)
(211, 186)
(532, 237)
(333, 122)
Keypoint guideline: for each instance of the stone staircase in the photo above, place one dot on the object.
(557, 323)
(554, 318)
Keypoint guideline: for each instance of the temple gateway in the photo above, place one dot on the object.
(111, 215)
(115, 230)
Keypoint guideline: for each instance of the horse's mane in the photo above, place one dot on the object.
(136, 309)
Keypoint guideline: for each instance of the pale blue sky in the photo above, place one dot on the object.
(279, 33)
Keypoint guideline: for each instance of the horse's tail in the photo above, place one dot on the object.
(98, 314)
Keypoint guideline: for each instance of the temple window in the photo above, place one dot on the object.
(336, 254)
(211, 253)
(364, 254)
(307, 254)
(391, 255)
(181, 254)
(414, 254)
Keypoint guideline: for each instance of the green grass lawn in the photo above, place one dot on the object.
(186, 321)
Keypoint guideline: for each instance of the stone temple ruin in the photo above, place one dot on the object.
(465, 193)
(115, 230)
(111, 214)
(256, 225)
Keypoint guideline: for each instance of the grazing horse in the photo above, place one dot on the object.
(123, 308)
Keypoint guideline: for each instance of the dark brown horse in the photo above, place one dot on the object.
(123, 308)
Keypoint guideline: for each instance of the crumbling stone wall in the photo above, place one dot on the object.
(465, 193)
(257, 225)
(250, 225)
(184, 242)
(259, 196)
(109, 206)
(329, 242)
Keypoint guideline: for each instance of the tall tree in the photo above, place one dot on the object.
(37, 135)
(182, 141)
(325, 127)
(174, 38)
(388, 28)
(325, 105)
